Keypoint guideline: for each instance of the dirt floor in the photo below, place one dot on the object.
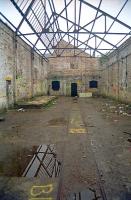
(85, 146)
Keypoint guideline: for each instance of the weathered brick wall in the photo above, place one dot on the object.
(72, 69)
(116, 75)
(6, 64)
(39, 75)
(23, 73)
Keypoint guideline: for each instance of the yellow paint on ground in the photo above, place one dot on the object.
(37, 190)
(55, 125)
(77, 130)
(76, 124)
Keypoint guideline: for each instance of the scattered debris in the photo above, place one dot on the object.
(2, 119)
(75, 99)
(21, 110)
(115, 120)
(129, 140)
(120, 109)
(82, 125)
(57, 122)
(54, 103)
(84, 156)
(127, 132)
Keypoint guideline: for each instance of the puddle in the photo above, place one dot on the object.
(39, 161)
(86, 194)
(43, 163)
(15, 161)
(57, 122)
(2, 119)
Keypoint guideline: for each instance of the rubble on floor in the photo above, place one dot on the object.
(117, 108)
(2, 118)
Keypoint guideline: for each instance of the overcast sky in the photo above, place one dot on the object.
(110, 6)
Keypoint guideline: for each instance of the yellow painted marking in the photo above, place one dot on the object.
(77, 130)
(38, 190)
(55, 125)
(48, 198)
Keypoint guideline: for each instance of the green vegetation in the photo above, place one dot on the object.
(50, 104)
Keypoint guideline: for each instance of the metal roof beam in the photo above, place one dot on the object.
(26, 13)
(72, 32)
(29, 24)
(89, 46)
(112, 23)
(105, 13)
(88, 31)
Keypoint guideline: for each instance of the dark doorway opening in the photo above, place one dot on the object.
(8, 92)
(55, 85)
(73, 89)
(93, 84)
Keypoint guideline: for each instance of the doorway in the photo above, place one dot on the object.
(73, 89)
(8, 92)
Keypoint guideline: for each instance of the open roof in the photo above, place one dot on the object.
(96, 27)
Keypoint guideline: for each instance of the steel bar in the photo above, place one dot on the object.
(113, 21)
(72, 32)
(66, 46)
(73, 56)
(25, 5)
(45, 34)
(93, 23)
(118, 43)
(56, 24)
(24, 15)
(60, 13)
(79, 20)
(57, 19)
(74, 25)
(62, 48)
(105, 13)
(42, 32)
(45, 22)
(88, 31)
(29, 23)
(90, 47)
(62, 37)
(39, 23)
(67, 18)
(31, 44)
(44, 27)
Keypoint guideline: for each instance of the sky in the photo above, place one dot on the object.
(112, 7)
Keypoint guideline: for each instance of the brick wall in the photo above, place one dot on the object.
(116, 73)
(23, 73)
(72, 69)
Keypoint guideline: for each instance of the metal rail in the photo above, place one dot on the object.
(44, 19)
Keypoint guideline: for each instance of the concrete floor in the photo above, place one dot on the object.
(92, 143)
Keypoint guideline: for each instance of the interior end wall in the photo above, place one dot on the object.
(69, 69)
